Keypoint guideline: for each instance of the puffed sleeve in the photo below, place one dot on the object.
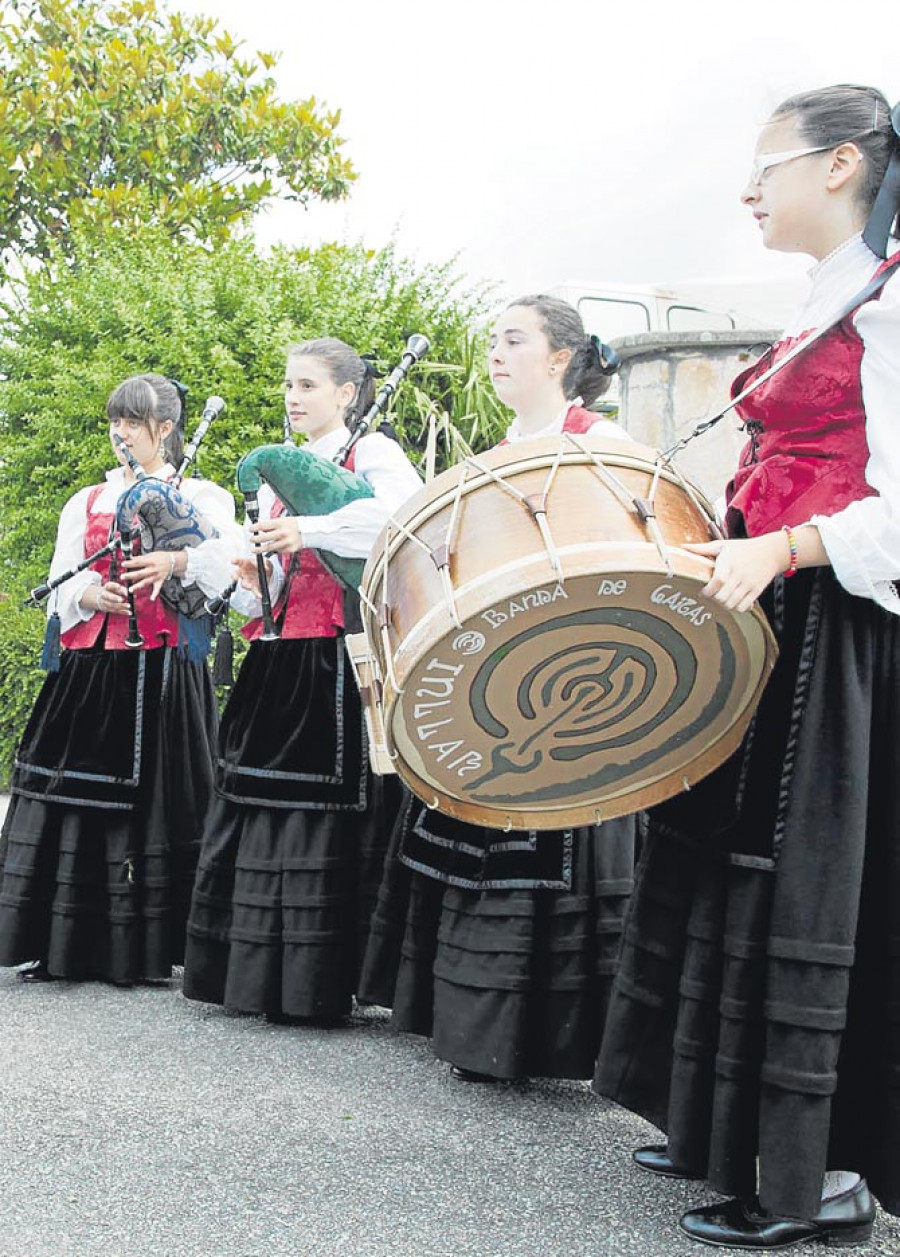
(68, 553)
(351, 530)
(209, 564)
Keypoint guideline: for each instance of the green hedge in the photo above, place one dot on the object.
(21, 635)
(218, 320)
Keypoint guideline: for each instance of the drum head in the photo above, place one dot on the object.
(567, 705)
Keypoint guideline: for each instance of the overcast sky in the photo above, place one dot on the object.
(557, 140)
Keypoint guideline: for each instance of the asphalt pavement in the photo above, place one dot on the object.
(134, 1123)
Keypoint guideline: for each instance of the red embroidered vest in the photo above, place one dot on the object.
(315, 600)
(579, 420)
(157, 623)
(807, 453)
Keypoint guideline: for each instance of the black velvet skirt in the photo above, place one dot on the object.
(511, 983)
(294, 843)
(756, 1013)
(102, 834)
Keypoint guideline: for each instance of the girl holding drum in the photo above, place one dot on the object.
(294, 842)
(506, 960)
(115, 767)
(755, 1015)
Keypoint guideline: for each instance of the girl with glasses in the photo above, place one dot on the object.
(755, 1016)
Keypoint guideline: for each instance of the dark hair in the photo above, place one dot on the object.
(591, 365)
(345, 366)
(831, 115)
(151, 400)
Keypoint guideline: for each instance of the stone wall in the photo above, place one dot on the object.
(671, 381)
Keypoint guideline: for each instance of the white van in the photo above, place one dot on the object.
(612, 311)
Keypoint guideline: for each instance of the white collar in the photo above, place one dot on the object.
(553, 428)
(833, 281)
(328, 445)
(117, 474)
(851, 246)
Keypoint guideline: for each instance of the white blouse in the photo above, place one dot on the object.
(863, 540)
(352, 529)
(208, 565)
(603, 427)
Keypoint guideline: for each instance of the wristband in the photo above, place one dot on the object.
(171, 564)
(791, 569)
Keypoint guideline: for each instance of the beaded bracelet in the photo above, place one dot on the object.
(791, 569)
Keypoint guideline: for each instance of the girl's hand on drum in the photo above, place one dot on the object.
(247, 573)
(276, 536)
(743, 568)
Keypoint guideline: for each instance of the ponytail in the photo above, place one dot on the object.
(601, 362)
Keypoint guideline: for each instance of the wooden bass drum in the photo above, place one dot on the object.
(540, 653)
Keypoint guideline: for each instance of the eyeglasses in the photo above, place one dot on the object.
(765, 161)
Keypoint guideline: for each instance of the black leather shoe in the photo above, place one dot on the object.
(655, 1158)
(844, 1219)
(470, 1075)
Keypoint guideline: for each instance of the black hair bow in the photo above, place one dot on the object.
(887, 202)
(602, 356)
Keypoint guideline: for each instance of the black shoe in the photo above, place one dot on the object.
(34, 971)
(470, 1075)
(655, 1158)
(844, 1219)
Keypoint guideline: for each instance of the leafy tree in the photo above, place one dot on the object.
(115, 113)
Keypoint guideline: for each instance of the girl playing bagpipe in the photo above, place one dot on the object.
(114, 771)
(294, 842)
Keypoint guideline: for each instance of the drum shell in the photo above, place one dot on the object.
(499, 558)
(360, 655)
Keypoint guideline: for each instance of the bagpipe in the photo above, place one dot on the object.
(308, 484)
(156, 513)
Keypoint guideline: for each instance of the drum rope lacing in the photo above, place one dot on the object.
(642, 506)
(382, 617)
(534, 503)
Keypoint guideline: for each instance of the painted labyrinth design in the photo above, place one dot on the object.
(556, 705)
(593, 711)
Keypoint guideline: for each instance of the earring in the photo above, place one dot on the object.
(553, 370)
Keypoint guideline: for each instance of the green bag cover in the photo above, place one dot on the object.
(308, 485)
